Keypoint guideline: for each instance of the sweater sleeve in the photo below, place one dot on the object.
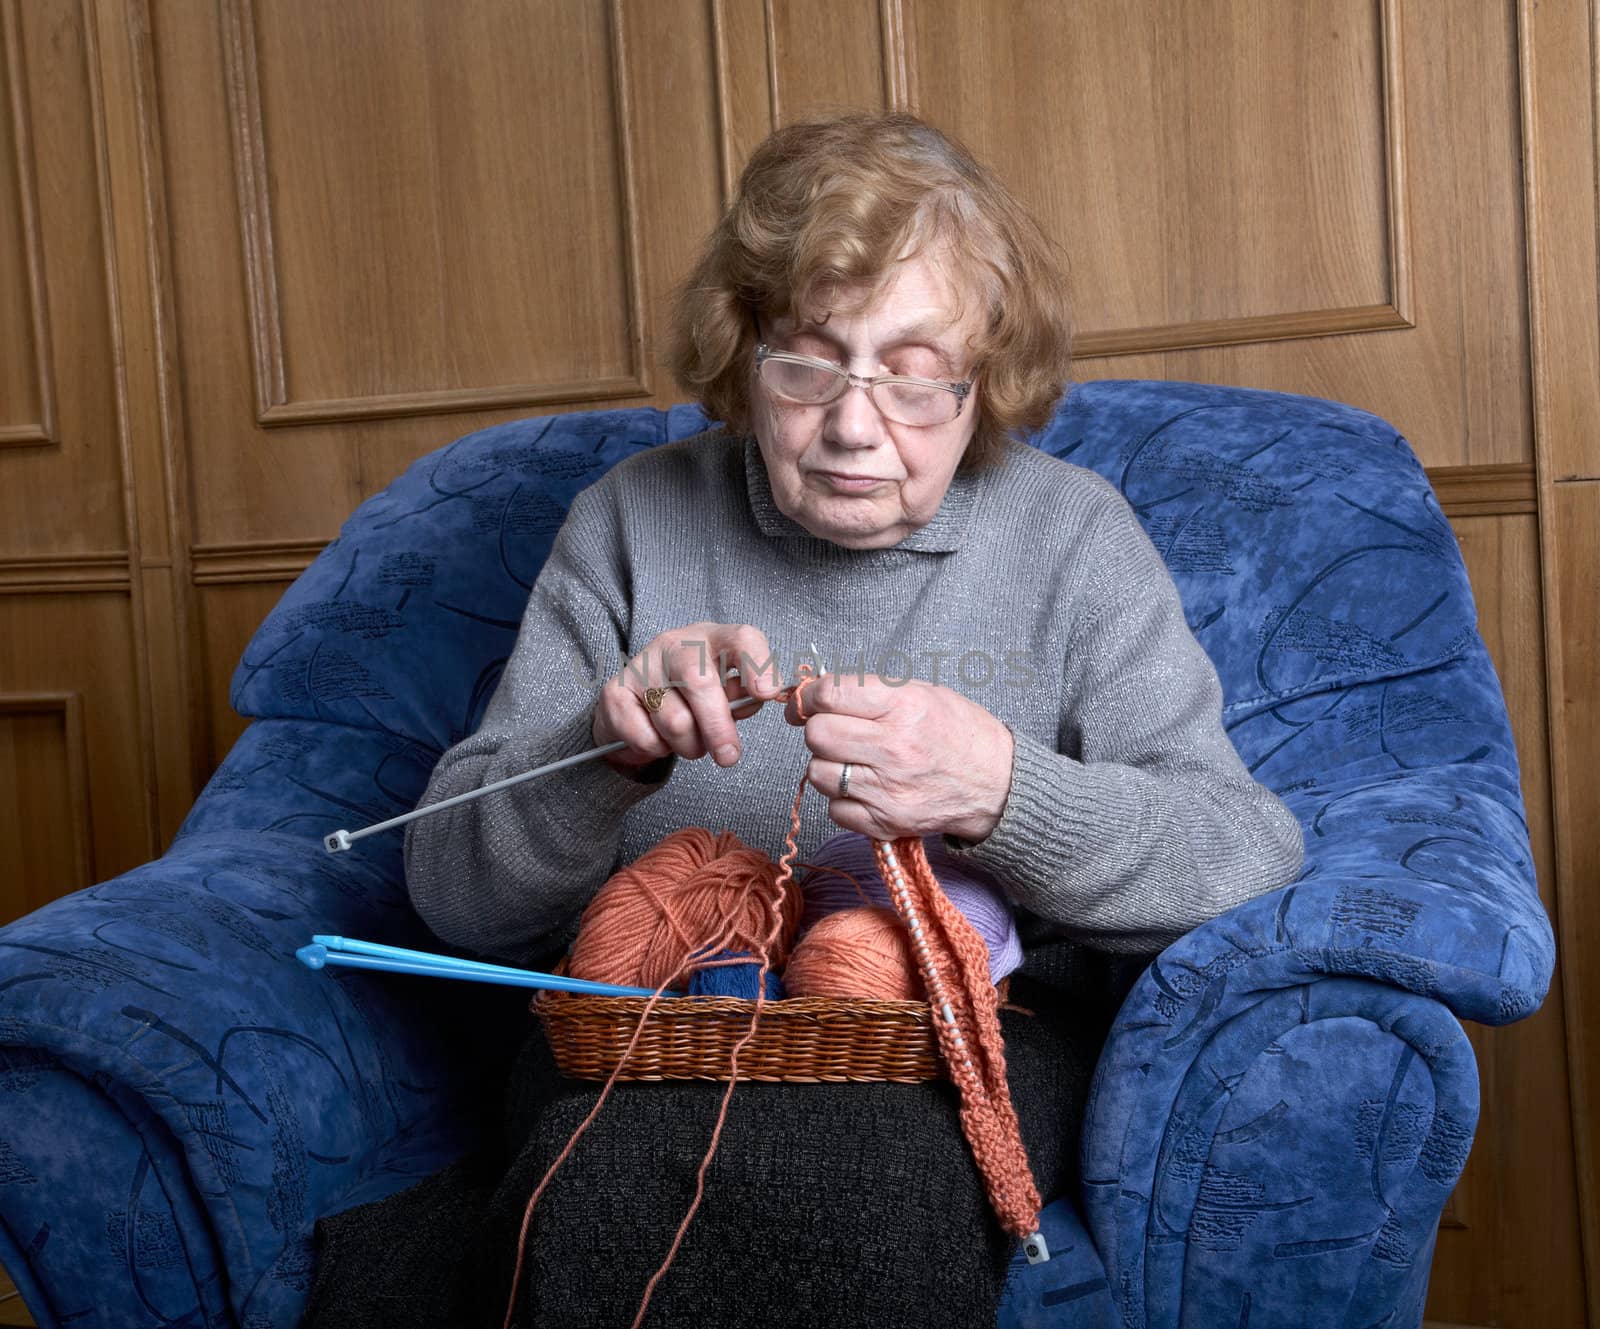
(501, 874)
(1152, 825)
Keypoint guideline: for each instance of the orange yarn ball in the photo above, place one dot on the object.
(855, 953)
(691, 889)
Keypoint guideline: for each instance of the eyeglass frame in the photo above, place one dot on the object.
(764, 353)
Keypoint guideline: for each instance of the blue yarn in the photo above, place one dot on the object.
(734, 980)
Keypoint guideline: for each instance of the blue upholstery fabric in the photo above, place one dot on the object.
(1281, 1108)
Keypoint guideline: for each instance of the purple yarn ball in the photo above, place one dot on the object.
(973, 894)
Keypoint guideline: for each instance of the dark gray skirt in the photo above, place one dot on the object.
(840, 1204)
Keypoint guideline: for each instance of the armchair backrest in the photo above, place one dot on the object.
(1315, 565)
(404, 622)
(1316, 569)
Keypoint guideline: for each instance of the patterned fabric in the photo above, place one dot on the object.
(1283, 1104)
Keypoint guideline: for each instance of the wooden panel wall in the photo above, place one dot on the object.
(73, 731)
(256, 257)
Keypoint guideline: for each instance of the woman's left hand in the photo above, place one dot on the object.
(923, 759)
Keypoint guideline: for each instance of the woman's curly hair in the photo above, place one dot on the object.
(833, 205)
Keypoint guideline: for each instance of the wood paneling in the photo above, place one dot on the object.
(825, 56)
(1457, 384)
(1572, 539)
(1559, 45)
(670, 74)
(68, 695)
(742, 70)
(1294, 107)
(279, 561)
(75, 557)
(1485, 491)
(58, 389)
(27, 393)
(80, 572)
(537, 272)
(1521, 1175)
(151, 450)
(442, 205)
(229, 616)
(44, 801)
(12, 1311)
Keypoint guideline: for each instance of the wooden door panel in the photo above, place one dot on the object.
(27, 402)
(72, 790)
(421, 233)
(1216, 169)
(45, 835)
(58, 413)
(476, 235)
(1520, 1178)
(1236, 178)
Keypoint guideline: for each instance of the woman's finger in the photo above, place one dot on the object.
(621, 714)
(829, 779)
(711, 715)
(844, 694)
(674, 720)
(746, 649)
(844, 737)
(696, 715)
(701, 661)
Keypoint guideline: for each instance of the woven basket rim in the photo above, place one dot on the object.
(574, 1005)
(800, 1039)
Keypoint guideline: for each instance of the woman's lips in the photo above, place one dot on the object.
(850, 484)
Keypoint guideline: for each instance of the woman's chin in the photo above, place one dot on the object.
(854, 523)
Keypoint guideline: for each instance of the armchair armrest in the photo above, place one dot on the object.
(1287, 1097)
(159, 1043)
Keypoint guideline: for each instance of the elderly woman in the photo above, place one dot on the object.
(1008, 667)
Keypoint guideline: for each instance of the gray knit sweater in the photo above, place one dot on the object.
(1033, 591)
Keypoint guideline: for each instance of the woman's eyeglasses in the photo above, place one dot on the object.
(807, 381)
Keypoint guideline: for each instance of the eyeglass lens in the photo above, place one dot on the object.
(904, 403)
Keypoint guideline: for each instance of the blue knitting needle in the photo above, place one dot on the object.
(326, 950)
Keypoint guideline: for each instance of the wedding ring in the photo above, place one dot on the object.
(653, 698)
(844, 781)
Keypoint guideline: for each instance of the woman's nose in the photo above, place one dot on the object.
(853, 420)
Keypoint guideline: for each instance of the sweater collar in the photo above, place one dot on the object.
(941, 535)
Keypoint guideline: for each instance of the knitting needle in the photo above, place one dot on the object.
(339, 841)
(326, 950)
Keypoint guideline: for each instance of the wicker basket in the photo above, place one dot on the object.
(809, 1039)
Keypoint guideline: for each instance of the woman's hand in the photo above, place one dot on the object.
(683, 668)
(923, 759)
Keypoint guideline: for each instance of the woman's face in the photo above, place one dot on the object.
(842, 470)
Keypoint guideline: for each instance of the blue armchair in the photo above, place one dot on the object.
(1280, 1110)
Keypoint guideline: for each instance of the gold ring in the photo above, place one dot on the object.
(653, 698)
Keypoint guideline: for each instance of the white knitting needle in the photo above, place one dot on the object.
(338, 841)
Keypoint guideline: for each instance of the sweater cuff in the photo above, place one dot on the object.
(1057, 808)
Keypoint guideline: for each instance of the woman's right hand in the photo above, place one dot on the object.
(695, 716)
